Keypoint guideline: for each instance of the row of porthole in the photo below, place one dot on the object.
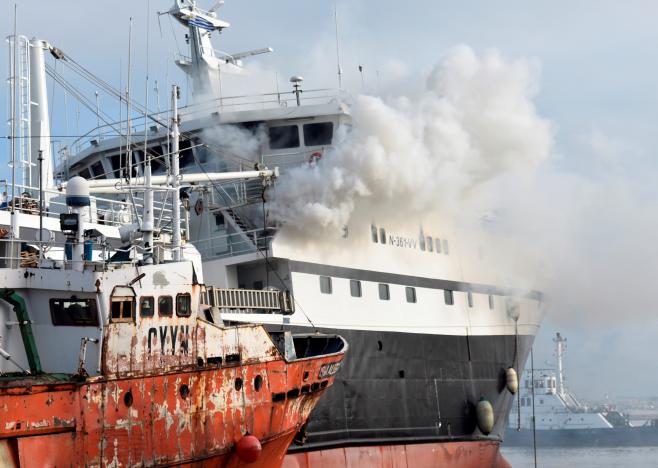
(295, 392)
(184, 390)
(426, 243)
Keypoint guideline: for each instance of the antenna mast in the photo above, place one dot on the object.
(560, 348)
(340, 70)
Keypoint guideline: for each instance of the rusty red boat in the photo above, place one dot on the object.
(116, 361)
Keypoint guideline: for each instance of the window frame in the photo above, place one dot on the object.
(189, 305)
(326, 286)
(386, 289)
(276, 128)
(141, 307)
(326, 124)
(171, 306)
(449, 297)
(93, 312)
(382, 235)
(357, 284)
(122, 301)
(413, 298)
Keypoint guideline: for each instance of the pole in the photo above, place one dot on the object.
(40, 159)
(340, 71)
(175, 136)
(14, 227)
(534, 421)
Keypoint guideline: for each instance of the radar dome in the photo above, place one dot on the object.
(77, 192)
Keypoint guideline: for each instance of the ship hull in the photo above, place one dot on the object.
(181, 418)
(405, 393)
(456, 454)
(643, 436)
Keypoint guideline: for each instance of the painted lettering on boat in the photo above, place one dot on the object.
(401, 241)
(174, 332)
(328, 370)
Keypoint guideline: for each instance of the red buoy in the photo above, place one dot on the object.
(248, 448)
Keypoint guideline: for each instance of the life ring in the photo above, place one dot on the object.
(315, 158)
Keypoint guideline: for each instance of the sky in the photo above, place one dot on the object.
(597, 68)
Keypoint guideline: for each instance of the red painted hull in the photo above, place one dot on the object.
(475, 454)
(190, 418)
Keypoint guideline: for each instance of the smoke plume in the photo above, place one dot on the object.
(474, 122)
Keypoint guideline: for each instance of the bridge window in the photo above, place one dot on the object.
(316, 134)
(373, 233)
(384, 292)
(355, 288)
(122, 308)
(85, 174)
(98, 170)
(449, 297)
(74, 312)
(325, 285)
(382, 235)
(165, 306)
(491, 301)
(469, 298)
(183, 305)
(430, 244)
(147, 306)
(284, 137)
(421, 242)
(446, 250)
(438, 245)
(411, 294)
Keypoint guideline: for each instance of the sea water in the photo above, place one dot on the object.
(609, 457)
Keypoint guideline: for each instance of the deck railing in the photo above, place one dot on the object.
(250, 300)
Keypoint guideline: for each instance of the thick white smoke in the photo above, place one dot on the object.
(474, 122)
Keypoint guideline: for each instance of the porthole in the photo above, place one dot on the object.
(238, 384)
(184, 391)
(258, 383)
(128, 399)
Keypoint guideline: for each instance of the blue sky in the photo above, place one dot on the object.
(599, 69)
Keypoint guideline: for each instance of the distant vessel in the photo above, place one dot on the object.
(562, 420)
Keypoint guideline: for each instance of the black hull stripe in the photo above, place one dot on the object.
(406, 280)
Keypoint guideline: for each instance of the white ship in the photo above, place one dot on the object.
(432, 327)
(548, 411)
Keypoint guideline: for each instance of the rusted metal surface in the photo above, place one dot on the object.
(181, 417)
(472, 454)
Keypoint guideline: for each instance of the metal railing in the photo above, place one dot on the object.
(32, 253)
(107, 211)
(244, 300)
(230, 245)
(206, 109)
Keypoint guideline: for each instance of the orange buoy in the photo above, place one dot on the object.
(248, 448)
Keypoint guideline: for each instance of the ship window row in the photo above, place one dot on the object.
(426, 243)
(288, 136)
(384, 291)
(113, 166)
(526, 401)
(166, 306)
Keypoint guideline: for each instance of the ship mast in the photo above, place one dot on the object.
(560, 348)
